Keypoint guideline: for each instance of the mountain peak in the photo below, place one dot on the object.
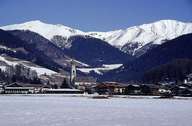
(34, 22)
(168, 20)
(39, 22)
(46, 30)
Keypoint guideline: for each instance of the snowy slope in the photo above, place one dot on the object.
(100, 70)
(138, 40)
(14, 61)
(46, 30)
(155, 32)
(128, 40)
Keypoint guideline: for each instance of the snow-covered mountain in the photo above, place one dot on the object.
(155, 32)
(46, 30)
(133, 40)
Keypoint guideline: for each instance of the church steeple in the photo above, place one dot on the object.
(73, 74)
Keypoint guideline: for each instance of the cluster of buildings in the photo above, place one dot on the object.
(115, 88)
(20, 88)
(178, 89)
(57, 84)
(80, 85)
(104, 88)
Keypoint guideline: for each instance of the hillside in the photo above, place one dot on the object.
(17, 48)
(179, 48)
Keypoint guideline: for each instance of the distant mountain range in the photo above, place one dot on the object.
(139, 48)
(134, 40)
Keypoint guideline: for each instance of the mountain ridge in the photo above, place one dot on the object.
(178, 48)
(130, 40)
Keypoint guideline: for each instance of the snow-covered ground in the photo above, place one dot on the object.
(6, 48)
(14, 61)
(41, 70)
(100, 70)
(56, 110)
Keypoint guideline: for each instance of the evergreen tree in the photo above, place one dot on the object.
(64, 84)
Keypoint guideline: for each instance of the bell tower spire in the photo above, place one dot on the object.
(73, 74)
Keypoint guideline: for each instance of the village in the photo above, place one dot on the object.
(89, 85)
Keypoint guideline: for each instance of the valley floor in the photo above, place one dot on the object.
(59, 110)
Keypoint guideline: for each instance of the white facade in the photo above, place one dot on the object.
(73, 74)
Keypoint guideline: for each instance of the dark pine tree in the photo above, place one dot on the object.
(64, 84)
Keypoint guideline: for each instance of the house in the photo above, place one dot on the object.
(149, 89)
(20, 88)
(85, 83)
(141, 89)
(165, 93)
(62, 91)
(1, 89)
(133, 89)
(16, 88)
(184, 90)
(110, 88)
(188, 79)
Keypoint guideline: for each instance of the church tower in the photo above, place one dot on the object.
(73, 74)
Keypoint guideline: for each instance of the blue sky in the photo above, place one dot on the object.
(94, 15)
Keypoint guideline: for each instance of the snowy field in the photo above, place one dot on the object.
(57, 110)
